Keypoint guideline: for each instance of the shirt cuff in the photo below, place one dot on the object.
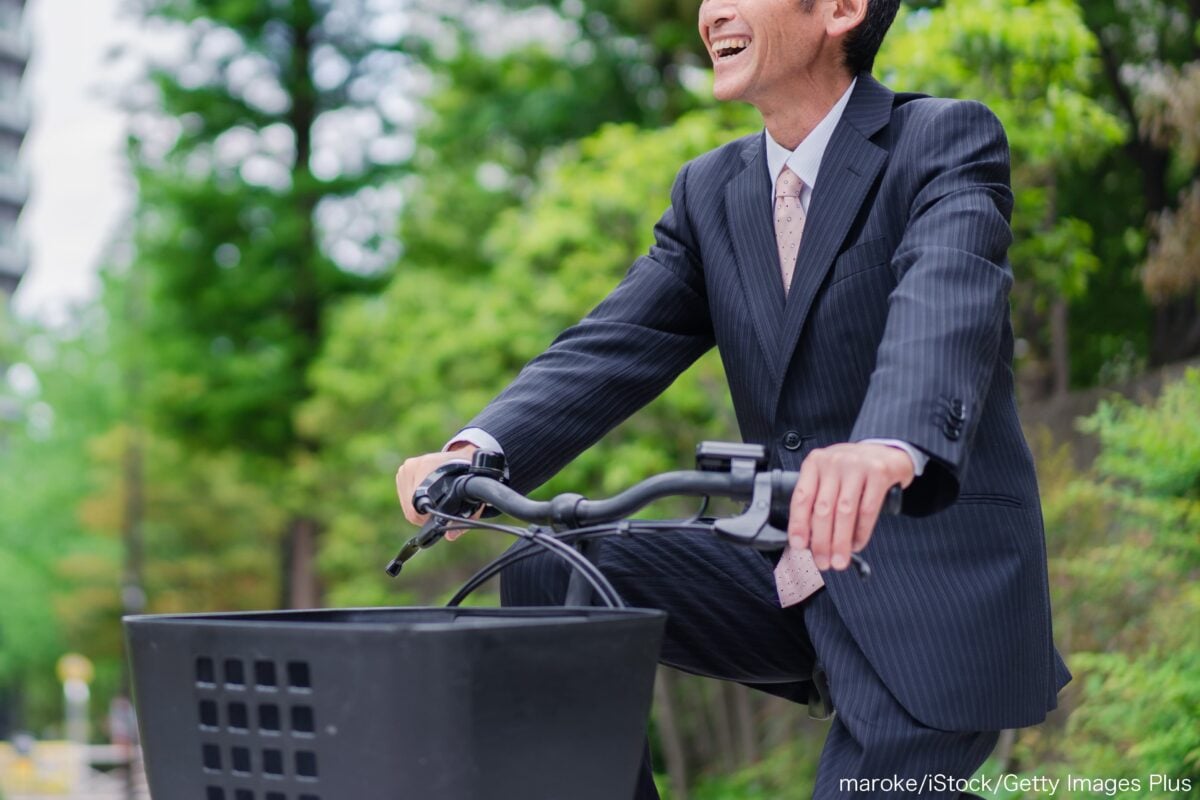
(476, 436)
(919, 459)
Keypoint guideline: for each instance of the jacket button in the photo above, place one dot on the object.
(792, 440)
(957, 409)
(951, 431)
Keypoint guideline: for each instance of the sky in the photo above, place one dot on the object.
(80, 188)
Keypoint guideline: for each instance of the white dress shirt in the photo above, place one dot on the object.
(805, 161)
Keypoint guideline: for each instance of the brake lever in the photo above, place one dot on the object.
(431, 532)
(440, 489)
(768, 502)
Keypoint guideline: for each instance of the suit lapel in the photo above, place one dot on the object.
(849, 168)
(752, 232)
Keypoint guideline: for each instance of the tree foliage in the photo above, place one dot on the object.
(236, 272)
(1142, 47)
(1170, 110)
(1135, 599)
(63, 391)
(255, 217)
(651, 44)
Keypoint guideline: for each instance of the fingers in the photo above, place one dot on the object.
(869, 508)
(800, 513)
(838, 498)
(821, 541)
(414, 470)
(408, 478)
(846, 518)
(835, 509)
(454, 534)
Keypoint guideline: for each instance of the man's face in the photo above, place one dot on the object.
(761, 49)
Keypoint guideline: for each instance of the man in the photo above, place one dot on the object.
(850, 265)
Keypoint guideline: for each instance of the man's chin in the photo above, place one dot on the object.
(726, 91)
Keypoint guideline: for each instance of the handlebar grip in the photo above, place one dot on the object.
(894, 500)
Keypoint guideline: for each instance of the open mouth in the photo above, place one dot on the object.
(725, 49)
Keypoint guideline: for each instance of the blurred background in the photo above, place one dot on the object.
(254, 253)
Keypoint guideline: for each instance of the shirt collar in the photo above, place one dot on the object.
(805, 160)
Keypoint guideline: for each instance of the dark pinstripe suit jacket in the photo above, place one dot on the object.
(896, 326)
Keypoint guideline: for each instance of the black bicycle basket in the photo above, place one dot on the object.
(395, 703)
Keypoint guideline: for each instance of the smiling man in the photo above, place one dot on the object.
(849, 262)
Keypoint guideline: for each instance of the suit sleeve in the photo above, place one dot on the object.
(949, 310)
(623, 354)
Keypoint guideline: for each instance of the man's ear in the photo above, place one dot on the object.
(844, 16)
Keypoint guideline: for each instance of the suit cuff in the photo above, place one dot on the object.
(476, 436)
(919, 459)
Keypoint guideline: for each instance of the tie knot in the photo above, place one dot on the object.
(788, 184)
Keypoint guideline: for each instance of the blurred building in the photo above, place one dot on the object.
(14, 122)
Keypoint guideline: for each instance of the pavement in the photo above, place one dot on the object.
(68, 771)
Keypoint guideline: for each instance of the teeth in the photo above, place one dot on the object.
(730, 45)
(739, 42)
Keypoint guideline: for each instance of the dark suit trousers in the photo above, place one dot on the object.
(724, 621)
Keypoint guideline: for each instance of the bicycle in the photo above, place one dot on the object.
(528, 703)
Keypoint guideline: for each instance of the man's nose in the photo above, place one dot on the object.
(715, 13)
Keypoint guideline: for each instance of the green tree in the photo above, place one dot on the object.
(1169, 112)
(62, 390)
(1129, 591)
(1143, 48)
(280, 122)
(650, 46)
(500, 97)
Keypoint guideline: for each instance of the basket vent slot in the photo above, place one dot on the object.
(206, 673)
(210, 756)
(208, 715)
(235, 674)
(264, 676)
(241, 760)
(302, 721)
(239, 719)
(306, 765)
(273, 763)
(299, 677)
(268, 719)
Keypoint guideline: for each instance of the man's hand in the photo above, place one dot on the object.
(416, 469)
(839, 496)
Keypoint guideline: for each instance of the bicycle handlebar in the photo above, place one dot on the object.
(574, 510)
(459, 489)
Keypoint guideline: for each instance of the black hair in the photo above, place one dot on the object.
(863, 42)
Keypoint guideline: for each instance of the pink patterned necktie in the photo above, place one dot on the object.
(796, 574)
(789, 222)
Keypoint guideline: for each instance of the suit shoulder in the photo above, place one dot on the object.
(922, 126)
(918, 110)
(721, 161)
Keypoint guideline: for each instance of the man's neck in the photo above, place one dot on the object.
(791, 119)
